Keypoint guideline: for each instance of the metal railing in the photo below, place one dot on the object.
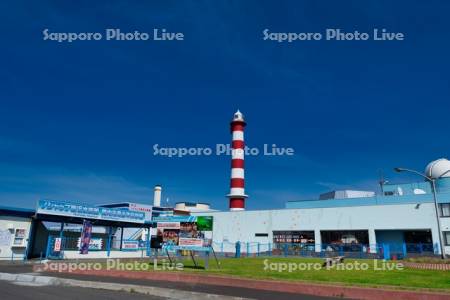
(374, 251)
(56, 245)
(256, 249)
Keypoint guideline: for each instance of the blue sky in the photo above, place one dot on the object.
(78, 121)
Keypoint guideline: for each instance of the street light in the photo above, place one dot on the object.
(433, 189)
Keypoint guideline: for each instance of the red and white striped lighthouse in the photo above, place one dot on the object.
(237, 192)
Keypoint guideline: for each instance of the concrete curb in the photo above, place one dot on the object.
(331, 290)
(148, 290)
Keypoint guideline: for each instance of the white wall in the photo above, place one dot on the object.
(445, 226)
(242, 225)
(9, 251)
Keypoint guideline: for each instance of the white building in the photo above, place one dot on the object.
(402, 217)
(14, 232)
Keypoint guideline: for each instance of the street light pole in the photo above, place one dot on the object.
(436, 207)
(433, 184)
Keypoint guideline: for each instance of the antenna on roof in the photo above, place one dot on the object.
(382, 181)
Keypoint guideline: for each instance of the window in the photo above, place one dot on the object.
(445, 209)
(19, 237)
(447, 238)
(261, 234)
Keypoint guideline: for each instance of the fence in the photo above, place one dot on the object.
(57, 245)
(375, 251)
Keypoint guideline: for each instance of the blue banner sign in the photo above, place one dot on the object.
(70, 209)
(175, 219)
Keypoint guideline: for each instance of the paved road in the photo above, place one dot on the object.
(211, 289)
(10, 291)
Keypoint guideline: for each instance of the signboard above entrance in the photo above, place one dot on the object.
(70, 209)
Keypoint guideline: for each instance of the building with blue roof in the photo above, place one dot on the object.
(402, 217)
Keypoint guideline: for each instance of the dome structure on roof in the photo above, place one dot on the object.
(438, 169)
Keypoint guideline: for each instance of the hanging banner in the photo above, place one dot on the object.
(57, 246)
(86, 237)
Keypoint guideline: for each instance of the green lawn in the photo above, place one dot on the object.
(260, 268)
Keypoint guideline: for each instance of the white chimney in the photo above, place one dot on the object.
(157, 196)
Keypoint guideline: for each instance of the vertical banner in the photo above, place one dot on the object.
(85, 237)
(57, 246)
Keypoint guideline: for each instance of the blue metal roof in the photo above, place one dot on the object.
(16, 211)
(367, 201)
(404, 193)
